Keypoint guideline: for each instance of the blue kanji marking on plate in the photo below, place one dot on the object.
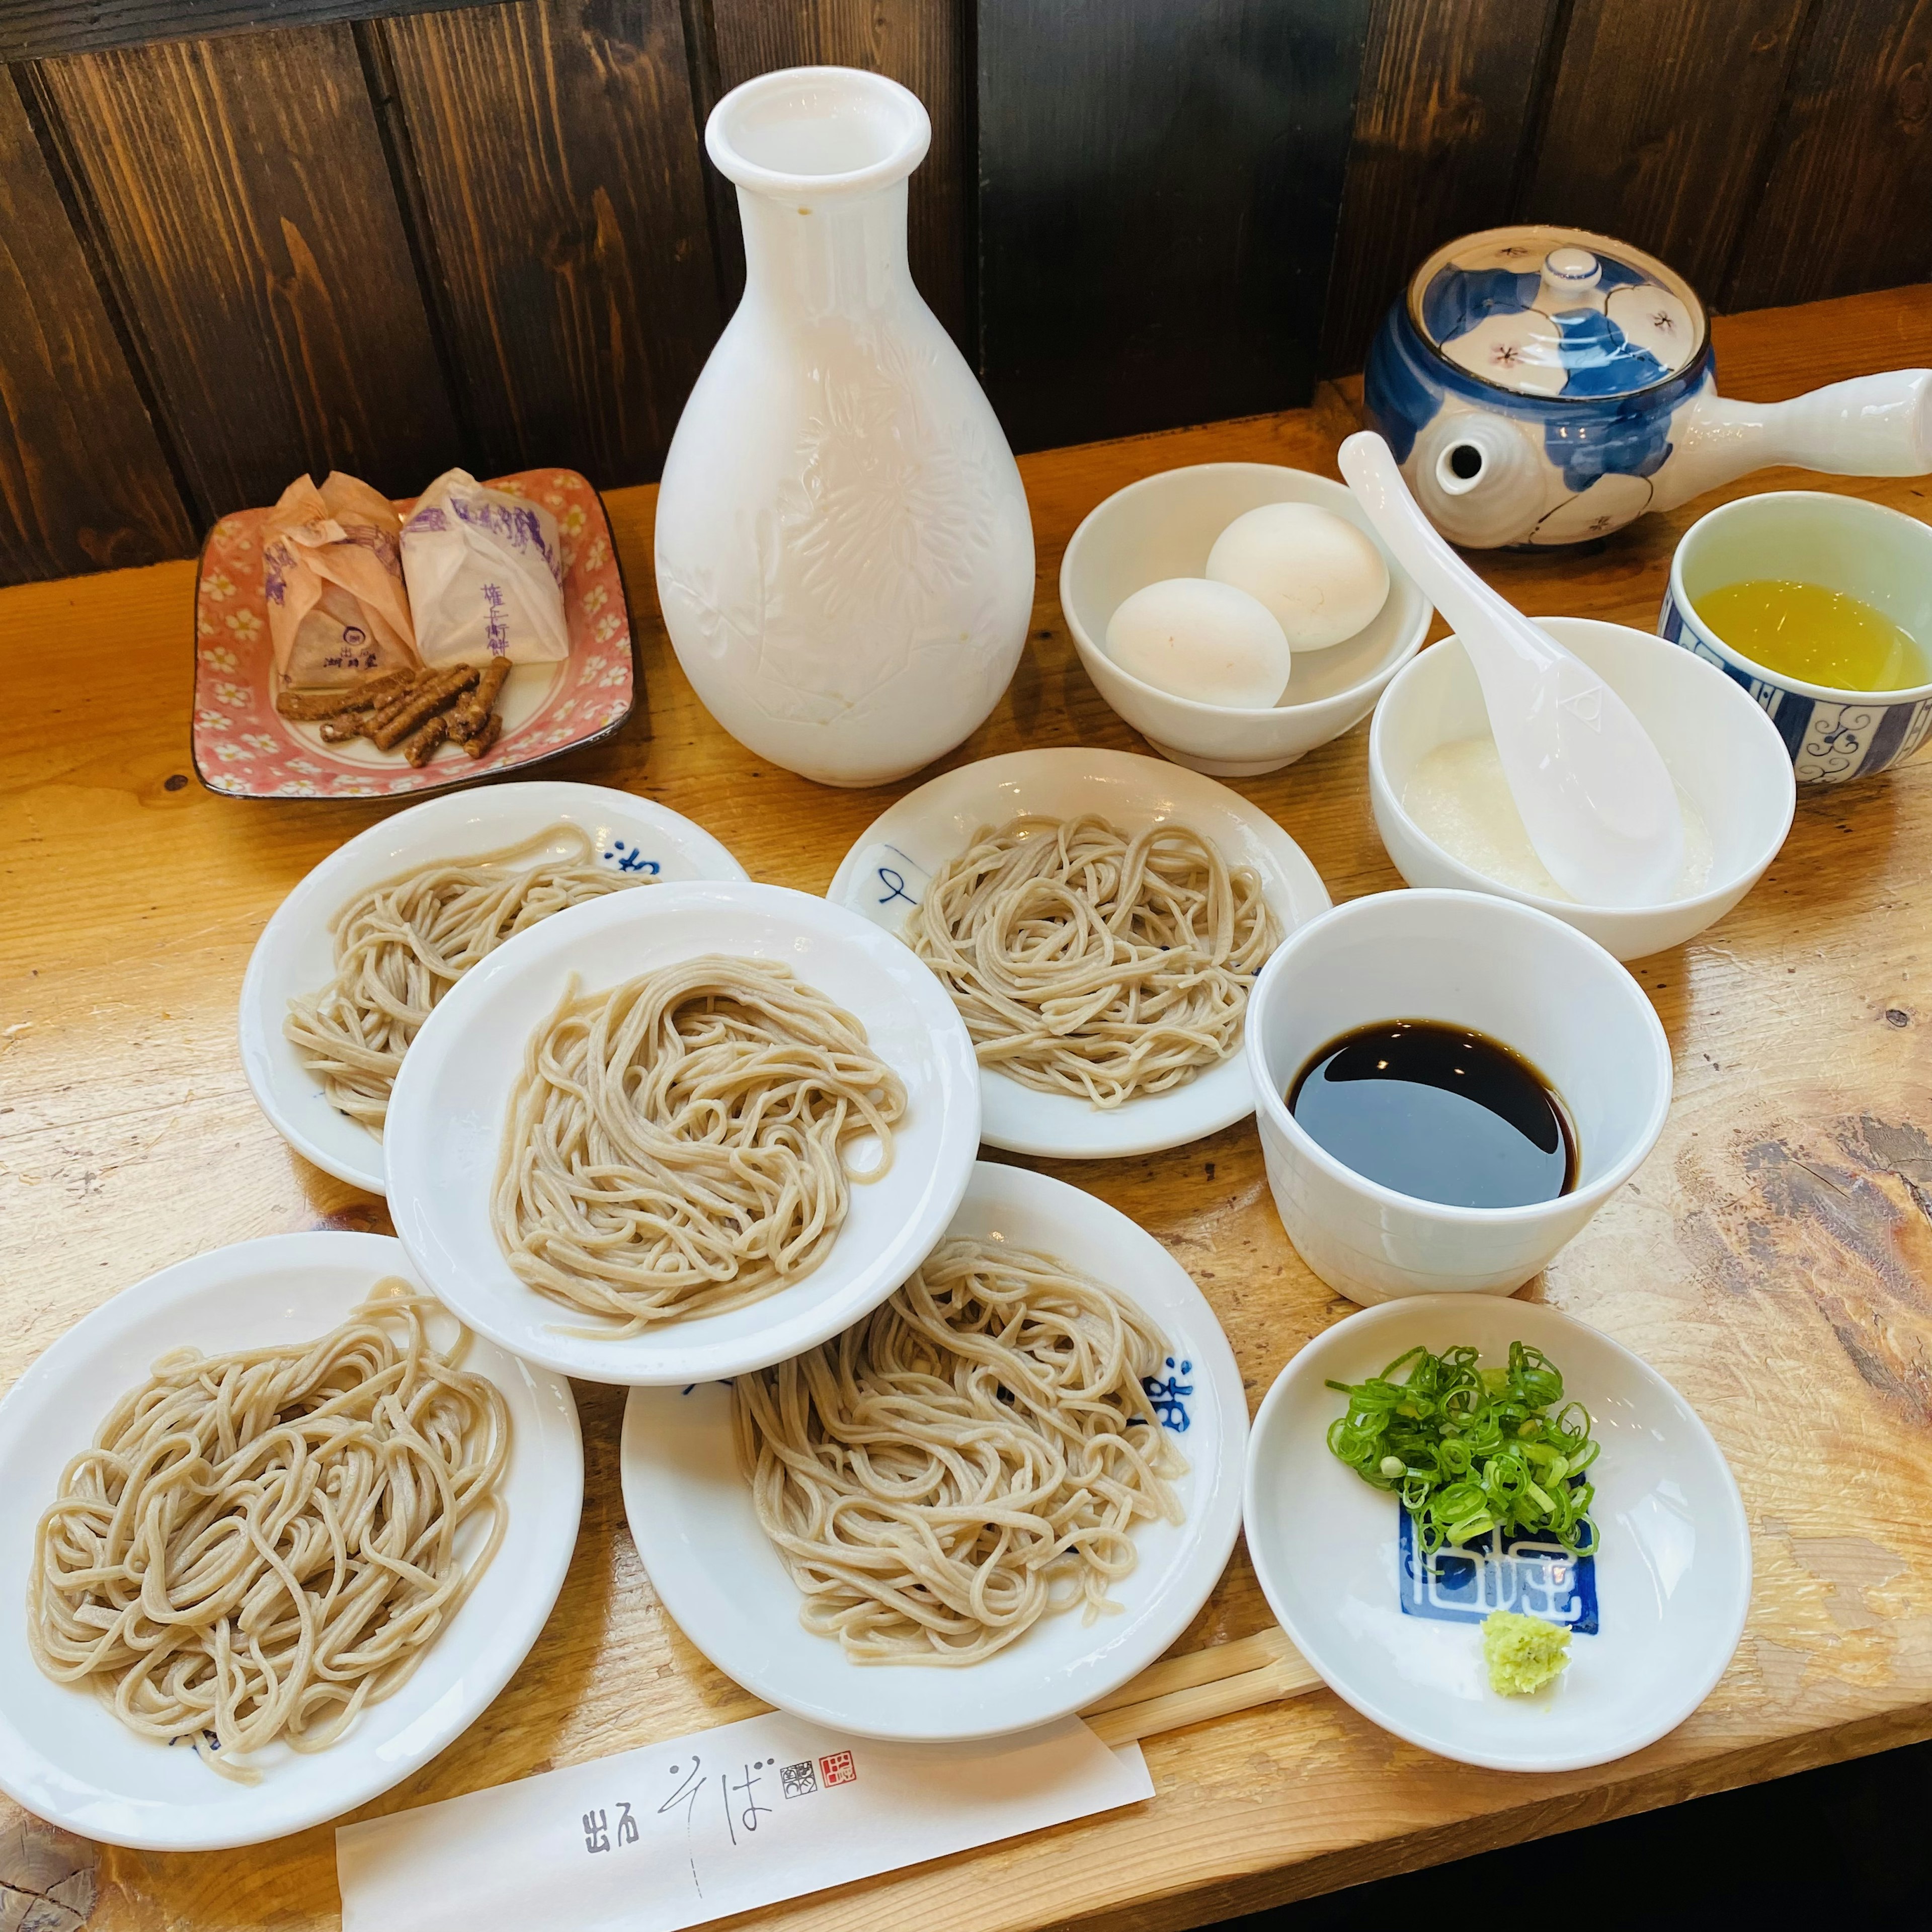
(1168, 1394)
(1528, 1574)
(631, 858)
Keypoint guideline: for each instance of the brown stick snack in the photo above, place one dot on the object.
(480, 740)
(311, 706)
(385, 712)
(473, 711)
(350, 724)
(420, 746)
(425, 699)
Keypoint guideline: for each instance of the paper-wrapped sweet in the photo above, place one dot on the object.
(333, 578)
(485, 574)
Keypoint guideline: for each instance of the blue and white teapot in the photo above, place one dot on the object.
(1546, 386)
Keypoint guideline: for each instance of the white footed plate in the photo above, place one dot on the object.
(691, 1516)
(1668, 1590)
(295, 954)
(445, 1123)
(63, 1754)
(885, 874)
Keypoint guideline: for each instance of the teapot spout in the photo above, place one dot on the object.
(1875, 426)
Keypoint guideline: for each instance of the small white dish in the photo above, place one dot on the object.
(1670, 1585)
(691, 1515)
(296, 953)
(445, 1125)
(1164, 527)
(885, 874)
(64, 1755)
(1522, 977)
(1721, 749)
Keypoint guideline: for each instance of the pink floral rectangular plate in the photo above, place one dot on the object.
(245, 747)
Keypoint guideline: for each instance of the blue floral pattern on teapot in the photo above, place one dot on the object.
(1546, 385)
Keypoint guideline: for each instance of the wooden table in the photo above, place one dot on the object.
(1773, 1258)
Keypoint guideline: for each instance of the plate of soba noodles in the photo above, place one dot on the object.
(989, 1501)
(278, 1528)
(354, 959)
(671, 1135)
(1098, 919)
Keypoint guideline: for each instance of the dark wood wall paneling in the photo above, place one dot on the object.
(488, 236)
(1159, 181)
(555, 143)
(84, 485)
(244, 200)
(1847, 201)
(1448, 95)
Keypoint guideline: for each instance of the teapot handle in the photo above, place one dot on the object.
(1872, 426)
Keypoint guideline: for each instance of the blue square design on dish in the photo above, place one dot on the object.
(1526, 1574)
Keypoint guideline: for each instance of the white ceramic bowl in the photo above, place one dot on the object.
(1669, 1588)
(1465, 959)
(445, 1125)
(296, 953)
(66, 1757)
(887, 870)
(1720, 747)
(1164, 527)
(692, 1518)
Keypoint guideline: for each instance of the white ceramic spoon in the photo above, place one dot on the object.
(1599, 806)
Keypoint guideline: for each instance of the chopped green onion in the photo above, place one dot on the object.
(1471, 1449)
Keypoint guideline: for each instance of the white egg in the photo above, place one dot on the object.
(1193, 638)
(1323, 579)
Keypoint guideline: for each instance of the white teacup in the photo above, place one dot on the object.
(1465, 959)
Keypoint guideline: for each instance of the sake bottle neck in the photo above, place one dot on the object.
(808, 259)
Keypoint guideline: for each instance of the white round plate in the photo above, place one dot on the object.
(1670, 1585)
(885, 874)
(63, 1754)
(445, 1123)
(691, 1516)
(296, 952)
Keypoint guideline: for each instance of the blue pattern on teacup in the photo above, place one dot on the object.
(1829, 742)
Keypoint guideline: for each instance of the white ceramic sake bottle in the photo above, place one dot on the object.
(845, 558)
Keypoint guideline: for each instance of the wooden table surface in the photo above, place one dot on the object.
(1773, 1258)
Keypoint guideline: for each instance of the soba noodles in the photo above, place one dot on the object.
(970, 1457)
(1088, 963)
(400, 946)
(680, 1145)
(259, 1544)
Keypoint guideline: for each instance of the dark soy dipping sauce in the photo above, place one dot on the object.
(1442, 1113)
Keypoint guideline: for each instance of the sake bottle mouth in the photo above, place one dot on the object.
(818, 133)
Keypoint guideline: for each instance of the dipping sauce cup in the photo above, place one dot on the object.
(1466, 959)
(1879, 555)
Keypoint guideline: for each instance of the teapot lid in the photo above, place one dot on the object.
(1550, 311)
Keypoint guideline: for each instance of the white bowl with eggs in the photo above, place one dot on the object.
(1165, 528)
(1732, 770)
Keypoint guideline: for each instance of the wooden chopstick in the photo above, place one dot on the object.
(1259, 1669)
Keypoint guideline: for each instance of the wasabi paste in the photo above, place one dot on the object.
(1523, 1653)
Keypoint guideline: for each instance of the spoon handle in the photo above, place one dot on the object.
(1467, 605)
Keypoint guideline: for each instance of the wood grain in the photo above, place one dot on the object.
(1659, 123)
(557, 150)
(245, 210)
(1445, 100)
(1159, 183)
(84, 485)
(922, 46)
(41, 29)
(1771, 1258)
(1850, 182)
